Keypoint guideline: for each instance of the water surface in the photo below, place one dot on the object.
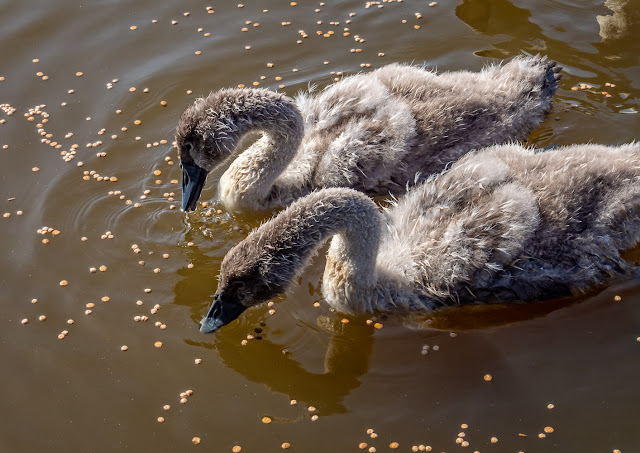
(81, 59)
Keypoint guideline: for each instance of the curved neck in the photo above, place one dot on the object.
(249, 181)
(292, 238)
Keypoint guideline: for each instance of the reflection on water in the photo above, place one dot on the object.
(265, 362)
(100, 72)
(620, 23)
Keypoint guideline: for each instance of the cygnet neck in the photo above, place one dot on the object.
(284, 246)
(249, 181)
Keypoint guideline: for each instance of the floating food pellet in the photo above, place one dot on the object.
(124, 347)
(362, 445)
(394, 445)
(24, 321)
(195, 440)
(548, 429)
(236, 449)
(293, 402)
(377, 325)
(103, 268)
(488, 377)
(35, 169)
(63, 283)
(266, 420)
(285, 445)
(70, 321)
(464, 426)
(160, 419)
(617, 298)
(158, 344)
(314, 418)
(494, 440)
(147, 290)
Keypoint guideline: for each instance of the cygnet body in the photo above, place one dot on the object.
(505, 223)
(371, 132)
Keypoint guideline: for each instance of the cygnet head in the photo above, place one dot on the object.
(247, 277)
(266, 263)
(204, 138)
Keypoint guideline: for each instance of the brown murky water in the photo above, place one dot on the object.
(412, 386)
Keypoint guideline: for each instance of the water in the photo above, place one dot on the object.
(411, 385)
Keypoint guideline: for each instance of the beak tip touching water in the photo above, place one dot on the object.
(220, 313)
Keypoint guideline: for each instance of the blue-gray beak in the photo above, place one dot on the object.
(193, 178)
(220, 314)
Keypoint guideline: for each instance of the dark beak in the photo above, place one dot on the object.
(220, 314)
(193, 178)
